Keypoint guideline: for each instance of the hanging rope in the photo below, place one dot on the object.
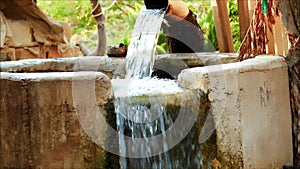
(103, 10)
(97, 6)
(110, 6)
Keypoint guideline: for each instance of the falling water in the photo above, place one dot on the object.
(147, 108)
(149, 112)
(140, 56)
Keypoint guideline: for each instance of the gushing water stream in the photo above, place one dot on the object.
(140, 56)
(148, 108)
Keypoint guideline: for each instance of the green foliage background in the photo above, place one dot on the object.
(120, 20)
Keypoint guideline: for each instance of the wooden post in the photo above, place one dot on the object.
(281, 40)
(244, 17)
(224, 35)
(220, 38)
(285, 41)
(271, 43)
(251, 5)
(278, 37)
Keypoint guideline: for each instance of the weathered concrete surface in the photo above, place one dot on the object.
(173, 64)
(251, 110)
(170, 65)
(248, 101)
(104, 64)
(199, 59)
(39, 125)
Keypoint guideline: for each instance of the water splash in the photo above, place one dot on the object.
(162, 114)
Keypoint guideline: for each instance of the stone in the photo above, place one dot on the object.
(32, 34)
(67, 30)
(28, 52)
(39, 52)
(20, 38)
(7, 54)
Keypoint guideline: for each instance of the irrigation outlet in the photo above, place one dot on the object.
(94, 122)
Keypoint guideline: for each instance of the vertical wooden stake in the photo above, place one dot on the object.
(251, 5)
(223, 27)
(243, 17)
(271, 43)
(220, 38)
(285, 41)
(278, 37)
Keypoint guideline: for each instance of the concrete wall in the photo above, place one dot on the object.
(250, 108)
(39, 125)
